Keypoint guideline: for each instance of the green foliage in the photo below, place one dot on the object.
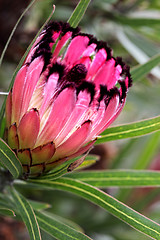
(27, 215)
(58, 229)
(121, 178)
(114, 21)
(105, 201)
(9, 159)
(7, 212)
(130, 130)
(140, 71)
(78, 13)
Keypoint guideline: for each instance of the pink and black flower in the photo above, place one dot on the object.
(69, 90)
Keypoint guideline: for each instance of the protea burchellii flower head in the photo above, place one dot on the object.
(63, 97)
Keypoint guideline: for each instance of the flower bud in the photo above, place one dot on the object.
(69, 90)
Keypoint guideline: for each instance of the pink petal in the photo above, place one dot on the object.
(55, 36)
(86, 61)
(28, 129)
(89, 50)
(108, 74)
(127, 82)
(97, 63)
(52, 163)
(8, 109)
(48, 92)
(17, 93)
(116, 114)
(91, 112)
(76, 118)
(36, 44)
(82, 150)
(33, 75)
(33, 48)
(37, 96)
(108, 115)
(61, 110)
(75, 49)
(118, 71)
(86, 57)
(61, 43)
(100, 114)
(74, 142)
(105, 74)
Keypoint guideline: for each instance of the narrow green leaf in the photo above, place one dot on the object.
(58, 229)
(140, 71)
(9, 159)
(39, 205)
(63, 169)
(120, 178)
(2, 127)
(55, 174)
(78, 13)
(65, 221)
(128, 215)
(91, 157)
(135, 129)
(90, 160)
(14, 29)
(7, 212)
(86, 164)
(27, 215)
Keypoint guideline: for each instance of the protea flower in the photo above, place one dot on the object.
(69, 89)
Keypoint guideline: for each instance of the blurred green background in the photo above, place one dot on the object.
(132, 29)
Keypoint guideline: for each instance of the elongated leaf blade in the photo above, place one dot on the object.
(86, 164)
(120, 178)
(65, 221)
(27, 215)
(140, 71)
(7, 212)
(89, 160)
(58, 229)
(39, 205)
(9, 160)
(135, 129)
(128, 215)
(78, 13)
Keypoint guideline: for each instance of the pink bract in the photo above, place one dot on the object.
(63, 97)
